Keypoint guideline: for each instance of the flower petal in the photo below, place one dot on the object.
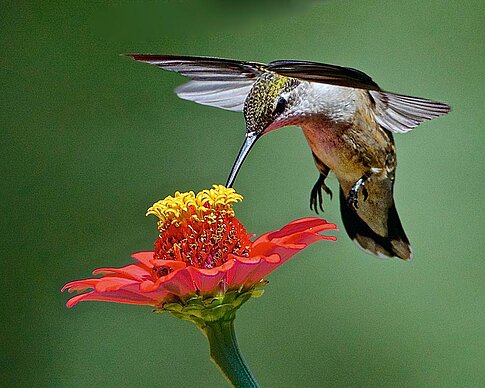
(133, 271)
(179, 283)
(306, 225)
(120, 296)
(107, 283)
(173, 264)
(303, 231)
(272, 249)
(208, 281)
(143, 257)
(249, 272)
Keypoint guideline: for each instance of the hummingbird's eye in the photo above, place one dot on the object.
(280, 106)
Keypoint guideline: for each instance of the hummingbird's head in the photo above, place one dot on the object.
(268, 104)
(267, 107)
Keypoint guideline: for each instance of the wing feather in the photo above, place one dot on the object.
(227, 95)
(223, 83)
(399, 114)
(394, 112)
(324, 73)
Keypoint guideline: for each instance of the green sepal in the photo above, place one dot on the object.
(203, 309)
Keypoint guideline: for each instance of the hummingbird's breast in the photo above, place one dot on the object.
(341, 131)
(335, 103)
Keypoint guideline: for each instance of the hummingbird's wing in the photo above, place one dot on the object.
(394, 112)
(223, 83)
(324, 73)
(399, 114)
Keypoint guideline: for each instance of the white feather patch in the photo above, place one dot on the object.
(228, 95)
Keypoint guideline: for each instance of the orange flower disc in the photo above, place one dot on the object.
(199, 230)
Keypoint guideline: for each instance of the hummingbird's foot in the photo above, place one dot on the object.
(353, 198)
(316, 196)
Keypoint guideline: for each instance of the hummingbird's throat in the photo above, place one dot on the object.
(199, 230)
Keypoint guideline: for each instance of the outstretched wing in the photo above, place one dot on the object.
(324, 73)
(394, 112)
(400, 114)
(223, 83)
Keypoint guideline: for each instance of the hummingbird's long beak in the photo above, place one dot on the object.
(249, 141)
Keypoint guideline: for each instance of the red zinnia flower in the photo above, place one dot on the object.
(202, 250)
(203, 268)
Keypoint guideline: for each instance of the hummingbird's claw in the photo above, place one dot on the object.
(316, 197)
(353, 197)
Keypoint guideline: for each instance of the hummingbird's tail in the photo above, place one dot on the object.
(392, 243)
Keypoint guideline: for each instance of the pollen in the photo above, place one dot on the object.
(200, 230)
(187, 206)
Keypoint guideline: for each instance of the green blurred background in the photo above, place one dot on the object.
(91, 139)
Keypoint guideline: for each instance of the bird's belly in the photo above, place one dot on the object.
(348, 152)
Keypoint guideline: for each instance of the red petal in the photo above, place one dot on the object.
(179, 283)
(208, 281)
(272, 249)
(248, 272)
(121, 296)
(143, 257)
(174, 264)
(106, 283)
(113, 283)
(312, 224)
(80, 285)
(133, 271)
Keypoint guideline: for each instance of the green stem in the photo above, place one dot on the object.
(225, 353)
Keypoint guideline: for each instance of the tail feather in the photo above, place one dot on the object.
(394, 243)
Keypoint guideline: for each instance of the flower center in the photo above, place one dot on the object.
(200, 230)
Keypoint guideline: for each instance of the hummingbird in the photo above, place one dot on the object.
(346, 118)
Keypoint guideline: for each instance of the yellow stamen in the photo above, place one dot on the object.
(185, 206)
